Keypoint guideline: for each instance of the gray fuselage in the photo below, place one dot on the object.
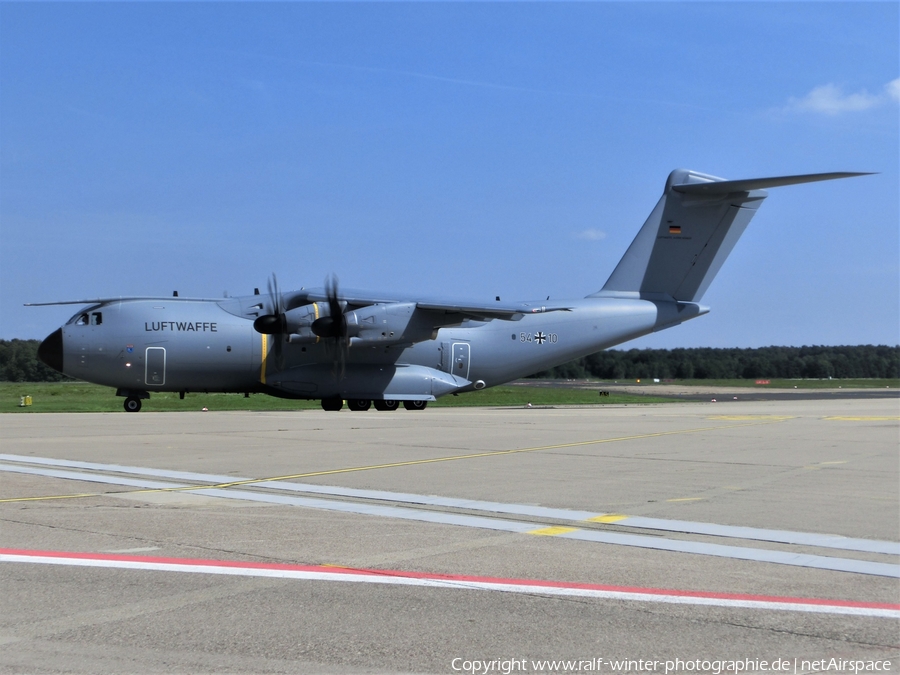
(184, 345)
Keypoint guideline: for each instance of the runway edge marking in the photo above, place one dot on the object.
(505, 525)
(832, 541)
(451, 581)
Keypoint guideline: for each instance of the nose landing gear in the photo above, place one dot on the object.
(133, 398)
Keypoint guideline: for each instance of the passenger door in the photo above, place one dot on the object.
(461, 353)
(155, 367)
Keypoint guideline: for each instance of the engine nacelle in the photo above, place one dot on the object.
(299, 321)
(383, 324)
(395, 323)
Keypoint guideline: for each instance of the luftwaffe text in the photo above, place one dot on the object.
(179, 326)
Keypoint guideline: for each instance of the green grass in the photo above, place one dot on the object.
(83, 397)
(859, 383)
(520, 395)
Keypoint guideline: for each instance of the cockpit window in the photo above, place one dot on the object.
(86, 319)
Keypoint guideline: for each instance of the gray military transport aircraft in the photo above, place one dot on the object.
(368, 348)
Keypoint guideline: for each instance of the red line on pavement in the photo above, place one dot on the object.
(328, 569)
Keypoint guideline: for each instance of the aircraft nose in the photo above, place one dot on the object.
(51, 350)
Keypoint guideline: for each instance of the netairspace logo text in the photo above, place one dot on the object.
(667, 667)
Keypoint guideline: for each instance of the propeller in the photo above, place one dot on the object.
(333, 327)
(275, 323)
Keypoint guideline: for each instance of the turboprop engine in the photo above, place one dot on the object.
(382, 324)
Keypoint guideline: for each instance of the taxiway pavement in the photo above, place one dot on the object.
(228, 541)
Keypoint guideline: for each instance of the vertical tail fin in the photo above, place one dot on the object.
(690, 233)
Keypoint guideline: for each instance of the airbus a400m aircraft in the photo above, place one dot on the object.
(365, 348)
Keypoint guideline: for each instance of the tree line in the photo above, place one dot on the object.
(19, 363)
(861, 361)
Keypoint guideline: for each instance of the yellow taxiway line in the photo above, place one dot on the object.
(391, 465)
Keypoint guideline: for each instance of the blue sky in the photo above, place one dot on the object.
(467, 149)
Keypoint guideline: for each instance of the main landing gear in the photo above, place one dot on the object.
(132, 404)
(333, 404)
(359, 404)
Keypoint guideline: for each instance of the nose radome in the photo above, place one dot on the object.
(51, 350)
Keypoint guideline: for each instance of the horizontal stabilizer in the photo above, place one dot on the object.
(723, 187)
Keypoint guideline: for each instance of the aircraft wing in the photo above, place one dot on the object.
(486, 311)
(441, 312)
(120, 298)
(353, 298)
(459, 309)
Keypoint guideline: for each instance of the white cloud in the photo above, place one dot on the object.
(892, 89)
(591, 235)
(829, 99)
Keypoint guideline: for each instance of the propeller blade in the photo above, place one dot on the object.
(334, 325)
(334, 304)
(278, 301)
(274, 323)
(333, 328)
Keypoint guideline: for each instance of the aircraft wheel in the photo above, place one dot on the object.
(333, 404)
(358, 404)
(415, 405)
(386, 405)
(132, 404)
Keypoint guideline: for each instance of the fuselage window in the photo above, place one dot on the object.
(96, 318)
